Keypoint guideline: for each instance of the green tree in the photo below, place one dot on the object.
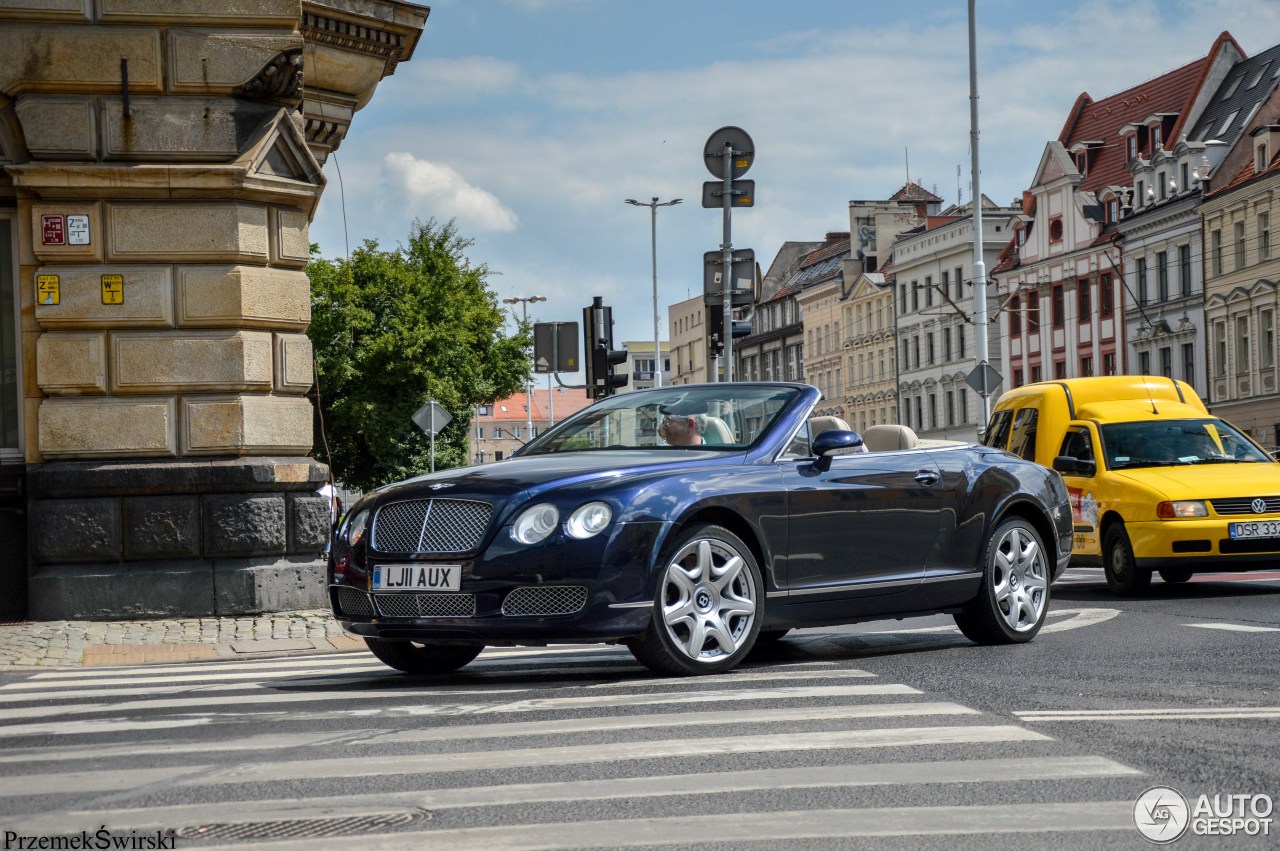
(393, 329)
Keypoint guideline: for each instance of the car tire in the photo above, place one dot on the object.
(1176, 575)
(707, 606)
(1014, 598)
(423, 658)
(1124, 577)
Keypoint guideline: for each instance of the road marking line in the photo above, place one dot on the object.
(716, 783)
(772, 826)
(1170, 714)
(1234, 627)
(90, 781)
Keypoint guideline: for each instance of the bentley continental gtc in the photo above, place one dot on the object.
(691, 523)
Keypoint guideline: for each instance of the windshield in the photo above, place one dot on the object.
(1166, 443)
(721, 417)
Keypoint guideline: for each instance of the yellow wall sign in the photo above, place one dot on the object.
(113, 289)
(48, 290)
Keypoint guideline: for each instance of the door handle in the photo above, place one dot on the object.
(928, 477)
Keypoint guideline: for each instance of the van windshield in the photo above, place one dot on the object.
(1168, 443)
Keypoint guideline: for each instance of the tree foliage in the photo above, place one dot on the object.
(393, 329)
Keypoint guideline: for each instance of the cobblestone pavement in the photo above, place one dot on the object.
(73, 643)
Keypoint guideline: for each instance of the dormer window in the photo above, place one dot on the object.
(1142, 193)
(1157, 138)
(1164, 186)
(1132, 144)
(1113, 211)
(1185, 170)
(1260, 158)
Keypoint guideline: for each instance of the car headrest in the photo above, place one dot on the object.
(818, 425)
(885, 438)
(716, 432)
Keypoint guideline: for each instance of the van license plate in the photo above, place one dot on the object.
(417, 577)
(1261, 529)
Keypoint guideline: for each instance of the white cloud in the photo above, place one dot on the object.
(439, 191)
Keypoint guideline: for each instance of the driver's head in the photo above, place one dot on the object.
(682, 422)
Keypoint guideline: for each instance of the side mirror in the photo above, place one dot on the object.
(831, 443)
(1073, 466)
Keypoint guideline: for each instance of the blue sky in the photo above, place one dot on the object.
(531, 121)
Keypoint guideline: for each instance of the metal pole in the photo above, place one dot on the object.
(528, 383)
(431, 418)
(726, 276)
(657, 344)
(979, 264)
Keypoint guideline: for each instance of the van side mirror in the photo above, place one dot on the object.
(1074, 466)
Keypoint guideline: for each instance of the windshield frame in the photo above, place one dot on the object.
(1172, 443)
(726, 401)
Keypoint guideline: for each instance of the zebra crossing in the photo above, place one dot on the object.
(561, 747)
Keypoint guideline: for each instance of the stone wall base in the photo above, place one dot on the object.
(175, 538)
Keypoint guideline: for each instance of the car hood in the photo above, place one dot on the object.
(531, 471)
(1208, 481)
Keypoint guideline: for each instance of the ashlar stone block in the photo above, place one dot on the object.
(243, 296)
(181, 361)
(72, 364)
(289, 245)
(293, 363)
(246, 425)
(58, 126)
(240, 12)
(107, 427)
(206, 61)
(76, 530)
(187, 231)
(162, 527)
(55, 240)
(78, 58)
(174, 129)
(147, 298)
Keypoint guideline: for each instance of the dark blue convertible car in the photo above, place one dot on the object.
(690, 523)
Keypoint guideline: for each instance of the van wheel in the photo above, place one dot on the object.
(1174, 575)
(1124, 578)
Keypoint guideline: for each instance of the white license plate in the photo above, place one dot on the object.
(1260, 529)
(417, 577)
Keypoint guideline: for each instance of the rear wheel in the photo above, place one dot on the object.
(423, 657)
(1011, 606)
(1175, 575)
(708, 606)
(1124, 577)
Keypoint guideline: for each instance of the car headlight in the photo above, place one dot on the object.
(587, 520)
(1182, 508)
(353, 530)
(535, 523)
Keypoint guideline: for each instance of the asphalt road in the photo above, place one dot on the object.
(897, 734)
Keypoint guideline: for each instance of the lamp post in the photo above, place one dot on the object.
(524, 302)
(657, 344)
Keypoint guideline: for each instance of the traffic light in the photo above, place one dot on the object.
(715, 324)
(601, 357)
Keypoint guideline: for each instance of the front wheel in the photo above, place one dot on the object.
(1124, 578)
(1174, 575)
(423, 658)
(1011, 606)
(708, 606)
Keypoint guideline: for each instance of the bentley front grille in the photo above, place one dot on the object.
(431, 526)
(354, 602)
(545, 600)
(1244, 505)
(400, 605)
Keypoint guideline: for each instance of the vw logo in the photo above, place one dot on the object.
(1259, 506)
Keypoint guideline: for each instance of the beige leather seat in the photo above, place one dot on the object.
(886, 438)
(716, 432)
(818, 425)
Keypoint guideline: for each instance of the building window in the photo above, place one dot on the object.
(1162, 275)
(1144, 363)
(1059, 369)
(1142, 193)
(1264, 236)
(946, 283)
(1266, 339)
(1113, 210)
(1156, 139)
(946, 344)
(959, 280)
(964, 406)
(1015, 316)
(1238, 229)
(920, 413)
(1164, 186)
(1106, 296)
(1242, 344)
(479, 432)
(905, 361)
(1058, 307)
(915, 295)
(1055, 229)
(1131, 145)
(1166, 361)
(951, 407)
(915, 351)
(1086, 366)
(1084, 299)
(1189, 362)
(1184, 269)
(929, 347)
(1109, 363)
(1017, 378)
(1215, 250)
(902, 290)
(1185, 183)
(1033, 313)
(1260, 158)
(928, 290)
(1220, 349)
(1035, 373)
(960, 341)
(1141, 264)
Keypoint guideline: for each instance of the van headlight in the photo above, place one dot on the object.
(587, 520)
(535, 523)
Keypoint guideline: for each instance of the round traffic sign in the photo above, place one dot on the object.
(744, 151)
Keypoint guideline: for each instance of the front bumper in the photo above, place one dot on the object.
(1203, 545)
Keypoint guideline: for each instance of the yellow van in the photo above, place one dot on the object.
(1157, 483)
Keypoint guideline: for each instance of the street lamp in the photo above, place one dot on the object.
(657, 345)
(524, 303)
